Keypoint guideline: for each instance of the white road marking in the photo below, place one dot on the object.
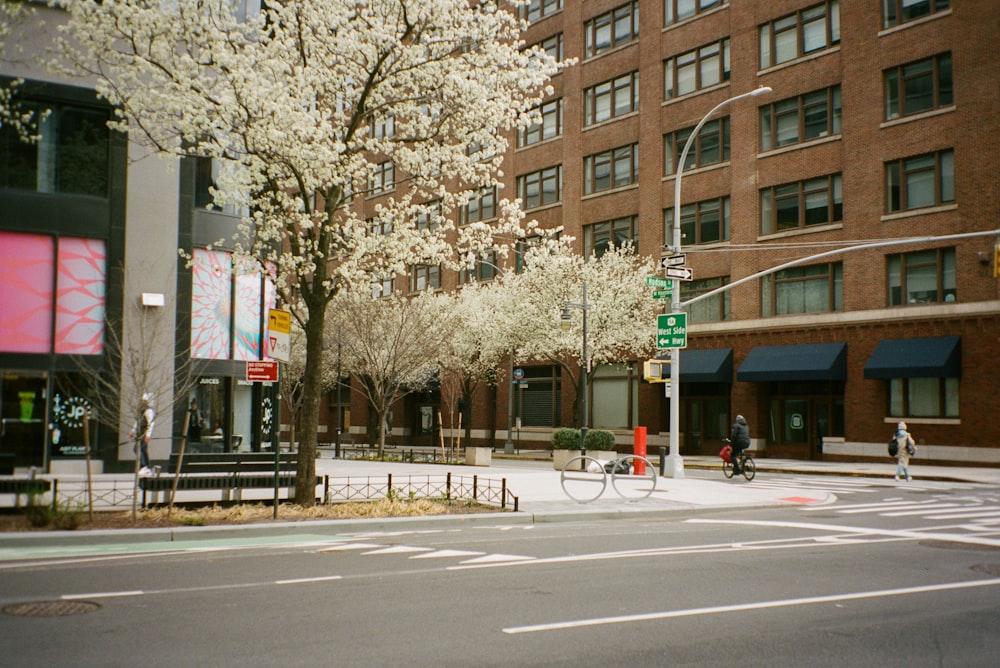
(399, 549)
(743, 607)
(325, 578)
(438, 554)
(498, 558)
(350, 546)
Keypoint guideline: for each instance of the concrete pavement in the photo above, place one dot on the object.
(542, 497)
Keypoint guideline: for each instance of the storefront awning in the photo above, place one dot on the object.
(935, 357)
(818, 361)
(707, 366)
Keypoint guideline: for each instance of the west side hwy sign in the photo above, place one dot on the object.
(671, 330)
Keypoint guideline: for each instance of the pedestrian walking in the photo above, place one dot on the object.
(905, 448)
(739, 440)
(142, 432)
(195, 422)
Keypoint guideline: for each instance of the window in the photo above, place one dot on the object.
(53, 293)
(680, 10)
(538, 401)
(895, 12)
(710, 147)
(485, 269)
(611, 99)
(614, 393)
(923, 397)
(380, 226)
(797, 205)
(800, 119)
(383, 127)
(535, 10)
(599, 237)
(921, 181)
(541, 187)
(553, 46)
(710, 309)
(924, 277)
(548, 127)
(72, 154)
(799, 34)
(425, 277)
(482, 206)
(611, 169)
(383, 178)
(812, 289)
(696, 69)
(918, 87)
(382, 288)
(430, 218)
(612, 29)
(207, 172)
(701, 223)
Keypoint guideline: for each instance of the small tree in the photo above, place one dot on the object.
(391, 345)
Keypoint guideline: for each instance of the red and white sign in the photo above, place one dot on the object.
(262, 371)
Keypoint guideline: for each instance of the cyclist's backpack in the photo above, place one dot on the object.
(726, 454)
(893, 447)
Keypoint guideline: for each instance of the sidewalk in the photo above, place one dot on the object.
(541, 497)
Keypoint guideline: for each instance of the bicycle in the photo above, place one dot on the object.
(747, 466)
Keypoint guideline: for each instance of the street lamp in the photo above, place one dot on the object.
(674, 458)
(565, 322)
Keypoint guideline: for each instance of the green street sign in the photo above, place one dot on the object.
(662, 294)
(671, 330)
(657, 282)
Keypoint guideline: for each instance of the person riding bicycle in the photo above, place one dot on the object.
(739, 440)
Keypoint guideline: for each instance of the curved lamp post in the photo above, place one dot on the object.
(676, 463)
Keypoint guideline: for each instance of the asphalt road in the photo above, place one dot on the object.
(892, 576)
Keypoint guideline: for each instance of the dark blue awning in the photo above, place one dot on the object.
(815, 361)
(707, 366)
(935, 357)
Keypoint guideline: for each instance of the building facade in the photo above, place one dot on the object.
(879, 129)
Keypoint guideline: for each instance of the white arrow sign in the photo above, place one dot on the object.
(679, 273)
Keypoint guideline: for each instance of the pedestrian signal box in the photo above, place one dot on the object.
(656, 371)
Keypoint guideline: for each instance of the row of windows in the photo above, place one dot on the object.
(912, 88)
(921, 277)
(805, 29)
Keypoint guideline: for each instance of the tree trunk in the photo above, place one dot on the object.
(305, 482)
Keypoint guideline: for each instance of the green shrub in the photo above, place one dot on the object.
(598, 439)
(566, 439)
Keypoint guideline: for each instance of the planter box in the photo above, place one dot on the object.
(560, 457)
(477, 456)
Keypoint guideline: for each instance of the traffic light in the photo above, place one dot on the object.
(656, 371)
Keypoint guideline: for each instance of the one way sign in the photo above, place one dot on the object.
(679, 273)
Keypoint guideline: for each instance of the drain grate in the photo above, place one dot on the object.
(50, 608)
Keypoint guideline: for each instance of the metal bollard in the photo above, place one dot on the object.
(663, 461)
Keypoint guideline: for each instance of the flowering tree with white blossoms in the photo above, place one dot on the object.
(310, 105)
(11, 114)
(390, 345)
(621, 314)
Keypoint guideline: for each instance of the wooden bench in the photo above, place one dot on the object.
(228, 472)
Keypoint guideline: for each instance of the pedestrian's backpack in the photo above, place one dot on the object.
(893, 447)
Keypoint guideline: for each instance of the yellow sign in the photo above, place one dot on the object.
(280, 321)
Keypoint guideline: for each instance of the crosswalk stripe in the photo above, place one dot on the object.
(437, 554)
(497, 558)
(399, 549)
(970, 514)
(349, 546)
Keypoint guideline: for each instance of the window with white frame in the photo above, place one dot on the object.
(695, 70)
(807, 31)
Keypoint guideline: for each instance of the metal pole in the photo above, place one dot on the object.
(584, 306)
(508, 447)
(674, 459)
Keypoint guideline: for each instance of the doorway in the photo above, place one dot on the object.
(801, 415)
